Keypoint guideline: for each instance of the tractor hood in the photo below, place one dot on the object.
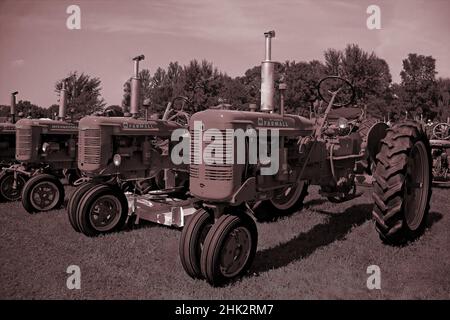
(290, 125)
(130, 126)
(48, 126)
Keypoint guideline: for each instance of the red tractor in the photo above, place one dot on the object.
(46, 150)
(120, 155)
(440, 150)
(10, 183)
(219, 242)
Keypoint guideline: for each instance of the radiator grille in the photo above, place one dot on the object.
(90, 146)
(222, 171)
(23, 142)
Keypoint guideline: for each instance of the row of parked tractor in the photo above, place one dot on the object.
(121, 164)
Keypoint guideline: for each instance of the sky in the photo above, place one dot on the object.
(37, 49)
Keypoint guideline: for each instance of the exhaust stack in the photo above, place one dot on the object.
(62, 101)
(136, 87)
(13, 106)
(267, 76)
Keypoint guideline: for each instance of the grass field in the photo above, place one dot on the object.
(321, 252)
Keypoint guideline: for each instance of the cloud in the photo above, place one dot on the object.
(17, 63)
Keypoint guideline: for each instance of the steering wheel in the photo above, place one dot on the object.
(334, 85)
(179, 116)
(442, 131)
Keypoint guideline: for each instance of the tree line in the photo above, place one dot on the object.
(419, 93)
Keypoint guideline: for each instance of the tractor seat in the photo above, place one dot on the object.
(348, 113)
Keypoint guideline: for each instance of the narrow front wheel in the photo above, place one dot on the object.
(192, 241)
(229, 249)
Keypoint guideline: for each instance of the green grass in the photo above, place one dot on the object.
(321, 252)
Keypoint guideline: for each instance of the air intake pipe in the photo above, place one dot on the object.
(13, 106)
(62, 101)
(267, 76)
(135, 98)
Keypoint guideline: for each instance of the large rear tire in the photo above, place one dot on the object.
(229, 249)
(103, 209)
(43, 192)
(74, 202)
(402, 187)
(285, 203)
(192, 242)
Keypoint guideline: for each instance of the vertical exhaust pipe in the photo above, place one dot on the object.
(135, 98)
(62, 101)
(13, 106)
(267, 76)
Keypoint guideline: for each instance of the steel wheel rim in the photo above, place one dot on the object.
(417, 186)
(7, 187)
(44, 195)
(105, 212)
(235, 252)
(288, 197)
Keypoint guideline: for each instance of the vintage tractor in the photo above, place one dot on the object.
(46, 150)
(123, 155)
(440, 150)
(10, 183)
(219, 241)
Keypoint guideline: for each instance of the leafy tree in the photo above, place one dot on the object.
(83, 94)
(27, 108)
(368, 73)
(443, 99)
(418, 81)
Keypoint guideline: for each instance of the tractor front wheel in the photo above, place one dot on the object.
(11, 188)
(74, 202)
(229, 248)
(402, 187)
(43, 192)
(192, 242)
(103, 209)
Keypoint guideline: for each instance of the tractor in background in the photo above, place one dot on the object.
(440, 150)
(125, 159)
(46, 151)
(219, 241)
(11, 183)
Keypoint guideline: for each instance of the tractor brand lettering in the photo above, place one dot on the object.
(272, 123)
(127, 125)
(227, 147)
(62, 127)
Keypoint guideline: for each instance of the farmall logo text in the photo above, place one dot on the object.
(62, 127)
(127, 125)
(272, 123)
(227, 146)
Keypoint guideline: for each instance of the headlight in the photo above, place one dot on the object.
(117, 159)
(45, 147)
(342, 123)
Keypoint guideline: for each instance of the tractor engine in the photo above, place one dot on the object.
(47, 141)
(8, 135)
(128, 147)
(7, 142)
(223, 180)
